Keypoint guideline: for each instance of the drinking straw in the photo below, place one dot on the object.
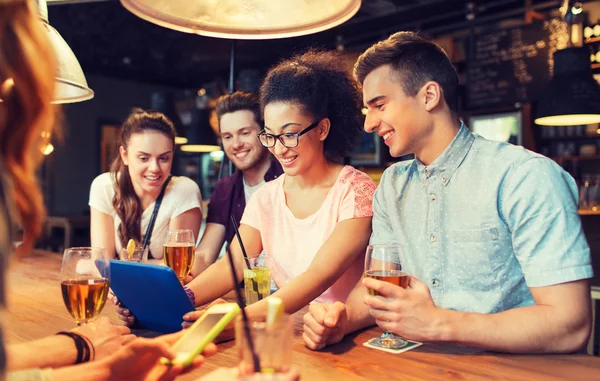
(237, 234)
(239, 238)
(242, 305)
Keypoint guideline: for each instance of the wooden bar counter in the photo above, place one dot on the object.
(36, 310)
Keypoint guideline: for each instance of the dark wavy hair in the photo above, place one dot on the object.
(126, 202)
(414, 61)
(317, 82)
(239, 101)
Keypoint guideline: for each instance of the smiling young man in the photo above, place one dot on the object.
(239, 123)
(490, 232)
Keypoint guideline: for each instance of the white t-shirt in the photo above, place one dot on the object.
(250, 190)
(181, 195)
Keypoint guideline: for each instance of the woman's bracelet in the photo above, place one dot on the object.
(85, 349)
(91, 347)
(190, 294)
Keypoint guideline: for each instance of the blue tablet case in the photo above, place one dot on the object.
(152, 293)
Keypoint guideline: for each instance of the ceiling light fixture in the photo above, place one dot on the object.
(573, 96)
(162, 101)
(71, 85)
(200, 136)
(246, 19)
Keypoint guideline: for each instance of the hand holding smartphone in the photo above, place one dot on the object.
(202, 332)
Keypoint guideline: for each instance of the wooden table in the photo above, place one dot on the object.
(36, 310)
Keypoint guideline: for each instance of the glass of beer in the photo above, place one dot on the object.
(84, 281)
(382, 262)
(179, 252)
(257, 279)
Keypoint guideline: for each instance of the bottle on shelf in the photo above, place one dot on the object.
(594, 193)
(584, 189)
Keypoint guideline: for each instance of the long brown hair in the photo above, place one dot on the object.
(27, 71)
(126, 202)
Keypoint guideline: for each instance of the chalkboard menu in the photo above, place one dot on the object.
(512, 65)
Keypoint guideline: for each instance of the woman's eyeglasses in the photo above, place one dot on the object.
(288, 140)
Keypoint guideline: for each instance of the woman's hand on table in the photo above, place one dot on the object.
(227, 334)
(140, 359)
(324, 324)
(107, 338)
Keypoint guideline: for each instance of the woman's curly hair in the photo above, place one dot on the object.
(318, 83)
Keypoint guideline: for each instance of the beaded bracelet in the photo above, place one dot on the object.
(190, 294)
(85, 349)
(90, 346)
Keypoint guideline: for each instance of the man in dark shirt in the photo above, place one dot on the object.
(239, 124)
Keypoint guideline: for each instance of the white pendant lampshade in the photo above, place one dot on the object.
(245, 19)
(71, 85)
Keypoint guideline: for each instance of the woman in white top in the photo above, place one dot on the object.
(122, 200)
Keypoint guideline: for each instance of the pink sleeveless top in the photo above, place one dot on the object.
(293, 243)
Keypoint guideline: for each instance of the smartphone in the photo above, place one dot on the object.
(202, 332)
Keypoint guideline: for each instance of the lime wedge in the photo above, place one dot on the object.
(249, 273)
(274, 310)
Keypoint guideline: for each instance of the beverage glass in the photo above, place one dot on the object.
(84, 282)
(382, 262)
(257, 279)
(138, 255)
(179, 252)
(272, 345)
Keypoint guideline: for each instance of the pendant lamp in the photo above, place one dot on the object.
(163, 101)
(201, 137)
(71, 85)
(573, 95)
(245, 19)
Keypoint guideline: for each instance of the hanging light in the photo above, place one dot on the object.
(201, 137)
(246, 19)
(163, 101)
(573, 95)
(71, 85)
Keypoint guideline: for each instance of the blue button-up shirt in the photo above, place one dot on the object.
(483, 223)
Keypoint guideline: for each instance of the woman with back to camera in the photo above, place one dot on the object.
(304, 219)
(27, 86)
(123, 200)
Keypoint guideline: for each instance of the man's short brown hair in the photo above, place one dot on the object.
(414, 61)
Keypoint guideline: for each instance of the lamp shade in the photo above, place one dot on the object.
(573, 95)
(201, 137)
(163, 101)
(71, 85)
(245, 19)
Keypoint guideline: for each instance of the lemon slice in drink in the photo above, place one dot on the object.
(131, 247)
(274, 310)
